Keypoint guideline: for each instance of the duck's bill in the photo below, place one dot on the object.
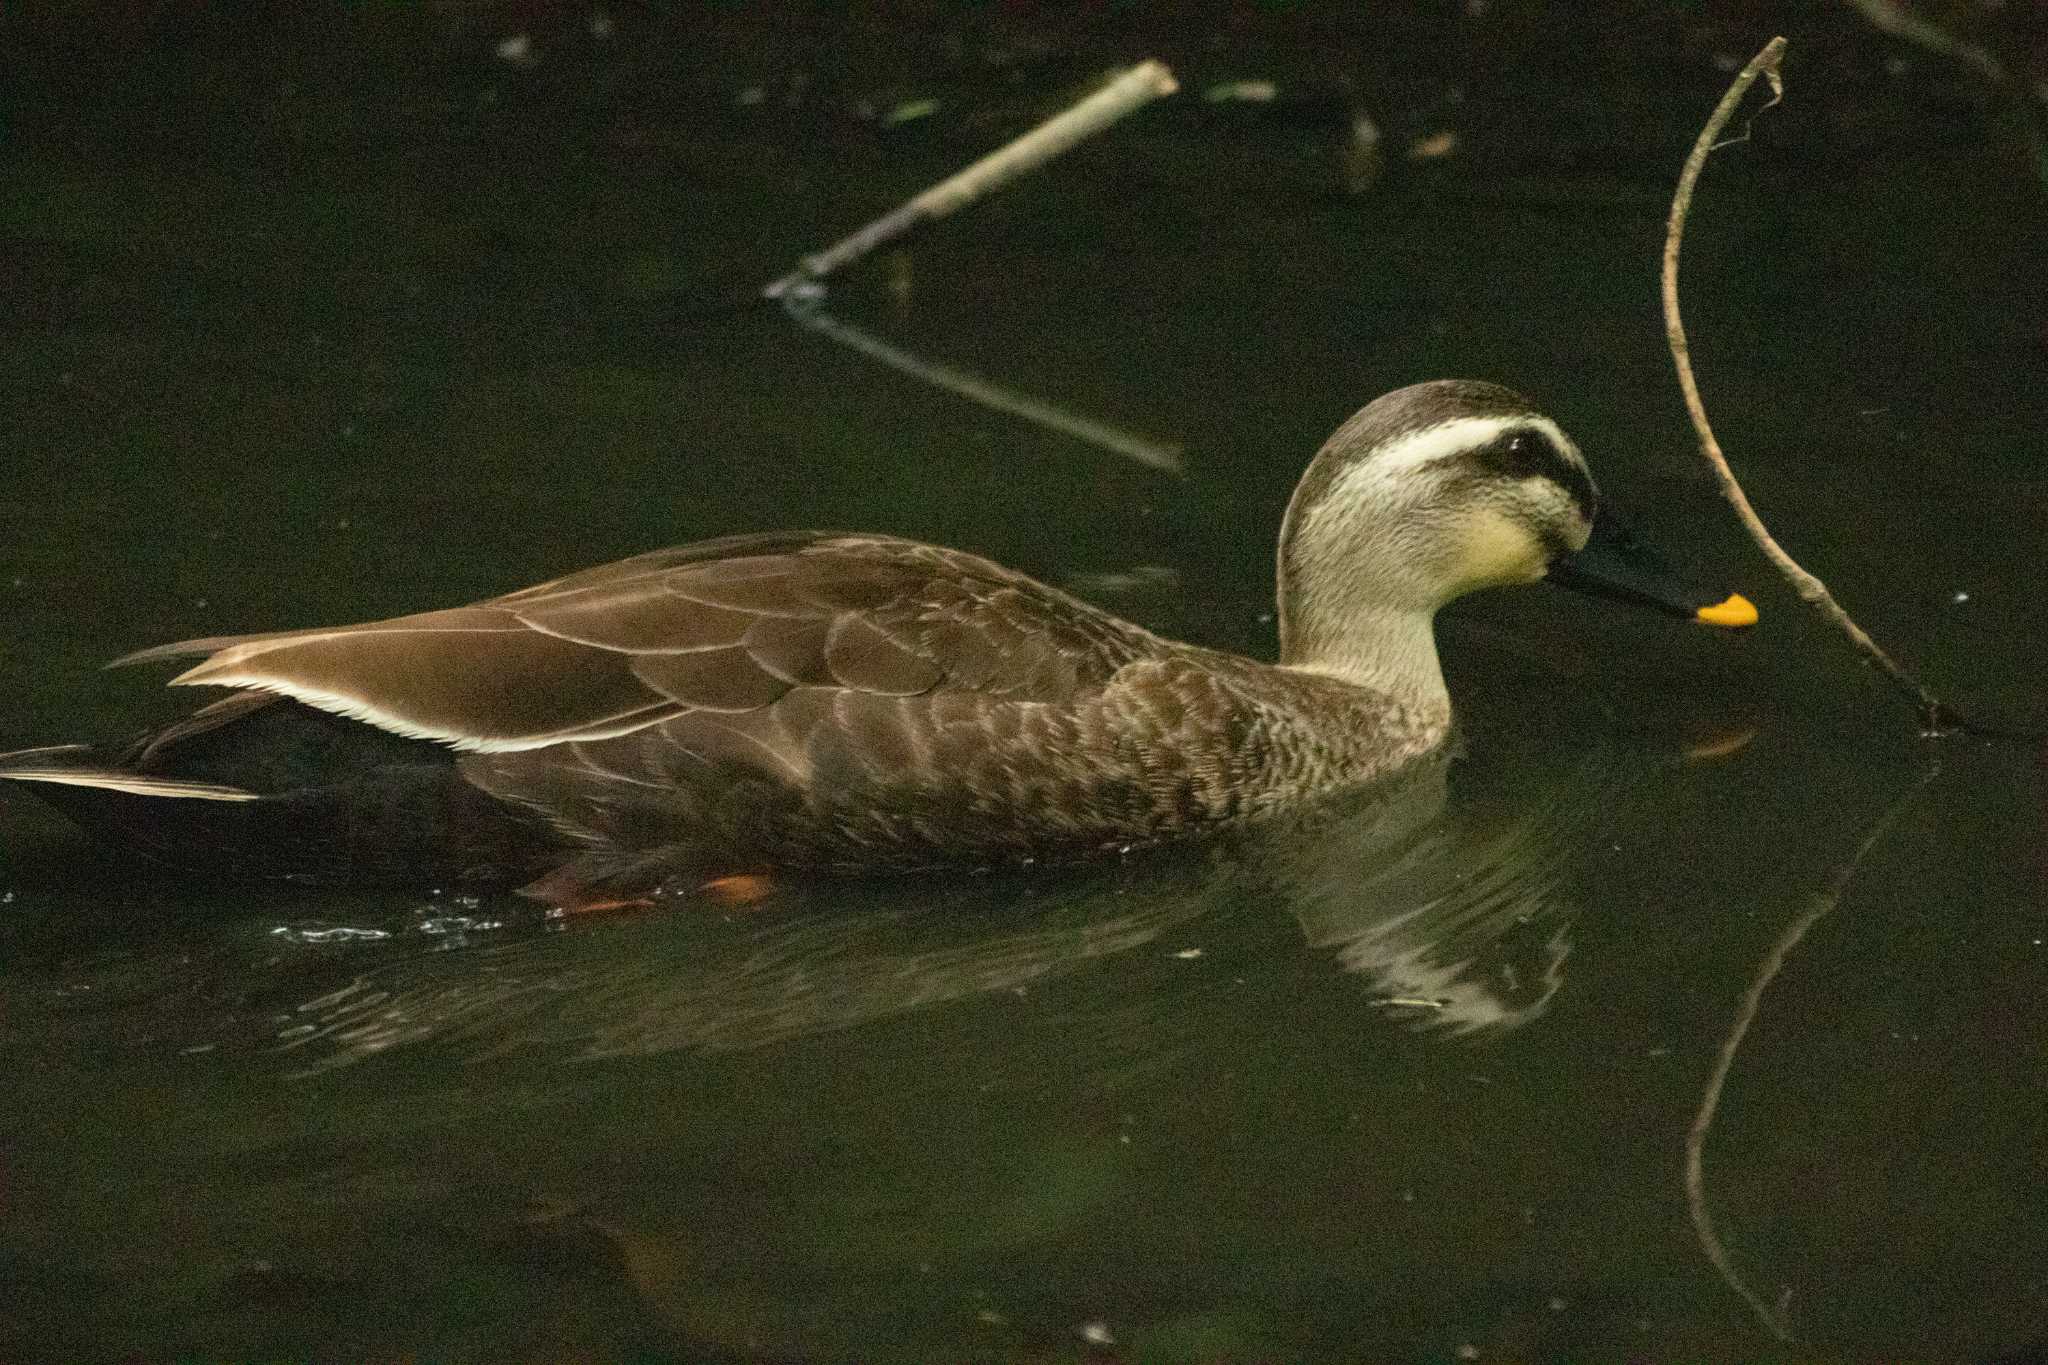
(1616, 564)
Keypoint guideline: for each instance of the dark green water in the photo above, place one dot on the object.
(326, 329)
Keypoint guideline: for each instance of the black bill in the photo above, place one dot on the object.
(1616, 564)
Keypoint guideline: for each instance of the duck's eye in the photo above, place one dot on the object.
(1531, 454)
(1521, 456)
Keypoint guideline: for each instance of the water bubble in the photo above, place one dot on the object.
(327, 933)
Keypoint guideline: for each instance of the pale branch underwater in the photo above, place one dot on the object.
(853, 703)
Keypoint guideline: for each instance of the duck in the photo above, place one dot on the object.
(830, 703)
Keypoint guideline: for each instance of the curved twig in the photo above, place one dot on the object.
(1935, 715)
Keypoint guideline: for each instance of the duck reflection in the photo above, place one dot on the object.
(1455, 916)
(1452, 910)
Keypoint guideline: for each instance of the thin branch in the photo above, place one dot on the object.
(1131, 90)
(1770, 1315)
(802, 291)
(1935, 715)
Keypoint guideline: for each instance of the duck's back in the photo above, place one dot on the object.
(984, 717)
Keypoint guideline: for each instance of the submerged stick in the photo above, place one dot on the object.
(1772, 1316)
(1935, 715)
(802, 291)
(1133, 89)
(2031, 104)
(1895, 19)
(1161, 455)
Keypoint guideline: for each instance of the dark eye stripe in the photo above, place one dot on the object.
(1528, 453)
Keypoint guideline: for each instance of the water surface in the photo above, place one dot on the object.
(333, 329)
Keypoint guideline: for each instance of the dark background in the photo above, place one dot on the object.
(329, 312)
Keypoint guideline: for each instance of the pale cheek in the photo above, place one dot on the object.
(1496, 550)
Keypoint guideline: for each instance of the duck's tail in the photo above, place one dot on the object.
(78, 765)
(156, 815)
(300, 813)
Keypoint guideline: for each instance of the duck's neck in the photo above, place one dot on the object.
(1390, 649)
(1357, 599)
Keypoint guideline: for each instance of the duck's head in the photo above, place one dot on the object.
(1426, 494)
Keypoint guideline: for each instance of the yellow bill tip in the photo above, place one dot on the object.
(1736, 611)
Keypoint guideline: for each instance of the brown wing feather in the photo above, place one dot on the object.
(636, 616)
(792, 648)
(864, 655)
(724, 627)
(725, 679)
(728, 548)
(477, 676)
